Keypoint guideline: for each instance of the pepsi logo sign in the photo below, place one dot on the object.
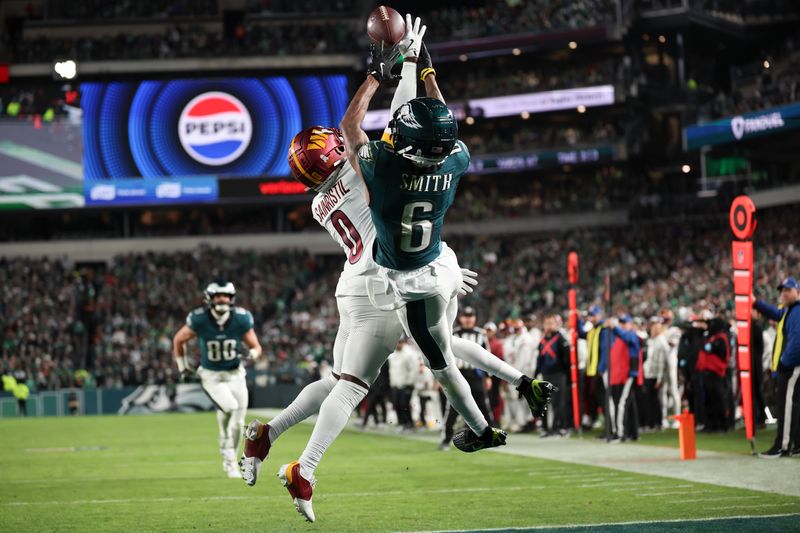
(215, 128)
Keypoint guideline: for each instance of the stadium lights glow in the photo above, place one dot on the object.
(686, 169)
(470, 121)
(516, 51)
(463, 58)
(581, 108)
(525, 115)
(66, 70)
(573, 45)
(766, 63)
(662, 39)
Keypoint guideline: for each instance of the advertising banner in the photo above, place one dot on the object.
(515, 104)
(743, 127)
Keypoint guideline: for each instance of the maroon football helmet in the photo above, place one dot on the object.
(315, 154)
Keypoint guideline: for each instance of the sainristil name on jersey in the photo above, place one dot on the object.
(331, 199)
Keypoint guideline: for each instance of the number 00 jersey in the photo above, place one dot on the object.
(408, 203)
(219, 345)
(343, 211)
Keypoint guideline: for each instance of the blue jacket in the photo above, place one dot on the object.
(790, 355)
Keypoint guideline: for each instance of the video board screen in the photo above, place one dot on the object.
(164, 141)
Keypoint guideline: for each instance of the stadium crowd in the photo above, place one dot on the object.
(192, 40)
(116, 320)
(188, 38)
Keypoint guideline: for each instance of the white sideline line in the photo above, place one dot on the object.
(225, 498)
(716, 498)
(607, 524)
(620, 484)
(631, 489)
(683, 492)
(583, 477)
(753, 506)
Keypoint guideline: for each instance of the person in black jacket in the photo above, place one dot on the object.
(689, 346)
(714, 359)
(553, 363)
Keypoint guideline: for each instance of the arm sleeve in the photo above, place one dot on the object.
(249, 322)
(628, 336)
(190, 321)
(768, 310)
(581, 333)
(792, 347)
(406, 89)
(565, 353)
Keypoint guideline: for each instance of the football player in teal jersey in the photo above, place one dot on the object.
(411, 183)
(220, 329)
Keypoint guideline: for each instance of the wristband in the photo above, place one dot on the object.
(426, 72)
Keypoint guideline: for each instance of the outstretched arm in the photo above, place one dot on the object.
(432, 88)
(354, 136)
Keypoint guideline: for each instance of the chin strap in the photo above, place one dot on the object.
(220, 318)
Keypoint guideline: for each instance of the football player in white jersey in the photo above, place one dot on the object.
(366, 335)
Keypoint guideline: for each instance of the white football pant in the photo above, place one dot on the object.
(228, 390)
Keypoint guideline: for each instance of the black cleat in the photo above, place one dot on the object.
(467, 441)
(537, 393)
(773, 453)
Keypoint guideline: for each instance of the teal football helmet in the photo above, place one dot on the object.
(424, 131)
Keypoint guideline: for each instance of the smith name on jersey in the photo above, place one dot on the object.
(219, 344)
(408, 203)
(342, 210)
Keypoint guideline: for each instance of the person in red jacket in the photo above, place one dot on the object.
(624, 358)
(712, 362)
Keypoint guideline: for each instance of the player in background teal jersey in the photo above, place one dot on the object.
(221, 329)
(411, 182)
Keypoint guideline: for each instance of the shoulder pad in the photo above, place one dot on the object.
(367, 152)
(240, 310)
(199, 311)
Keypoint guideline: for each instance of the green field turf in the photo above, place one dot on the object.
(163, 473)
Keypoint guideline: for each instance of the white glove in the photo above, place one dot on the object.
(253, 354)
(411, 42)
(469, 280)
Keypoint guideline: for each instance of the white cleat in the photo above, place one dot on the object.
(250, 468)
(299, 488)
(256, 451)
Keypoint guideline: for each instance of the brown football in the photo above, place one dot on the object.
(385, 24)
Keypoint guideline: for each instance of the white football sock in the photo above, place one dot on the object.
(457, 390)
(333, 416)
(306, 404)
(474, 354)
(236, 427)
(223, 419)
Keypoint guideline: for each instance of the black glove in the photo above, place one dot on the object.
(424, 63)
(381, 61)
